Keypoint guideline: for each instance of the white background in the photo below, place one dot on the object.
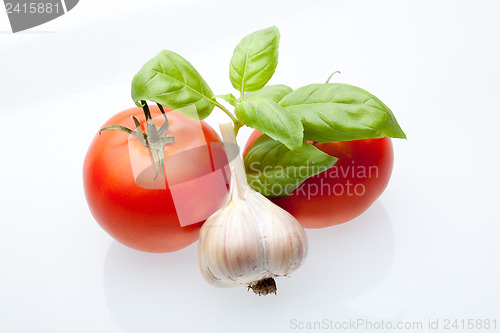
(427, 249)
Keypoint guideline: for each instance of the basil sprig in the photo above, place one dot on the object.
(288, 118)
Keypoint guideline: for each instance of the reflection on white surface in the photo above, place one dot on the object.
(354, 257)
(160, 292)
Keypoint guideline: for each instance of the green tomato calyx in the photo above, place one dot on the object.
(153, 138)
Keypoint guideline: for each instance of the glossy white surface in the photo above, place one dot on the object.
(427, 249)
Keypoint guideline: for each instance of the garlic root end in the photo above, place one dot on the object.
(264, 287)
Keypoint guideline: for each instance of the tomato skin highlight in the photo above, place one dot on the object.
(347, 189)
(145, 218)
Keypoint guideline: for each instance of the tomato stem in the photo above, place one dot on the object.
(119, 128)
(140, 134)
(162, 110)
(145, 107)
(164, 128)
(153, 138)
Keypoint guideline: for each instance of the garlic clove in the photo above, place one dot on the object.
(228, 253)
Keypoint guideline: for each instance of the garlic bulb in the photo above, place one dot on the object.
(250, 240)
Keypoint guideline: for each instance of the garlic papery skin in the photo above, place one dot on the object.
(250, 240)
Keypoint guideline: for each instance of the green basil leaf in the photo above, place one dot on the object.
(272, 119)
(254, 60)
(170, 80)
(341, 112)
(228, 98)
(275, 92)
(275, 171)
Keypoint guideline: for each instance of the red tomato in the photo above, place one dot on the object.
(140, 211)
(347, 189)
